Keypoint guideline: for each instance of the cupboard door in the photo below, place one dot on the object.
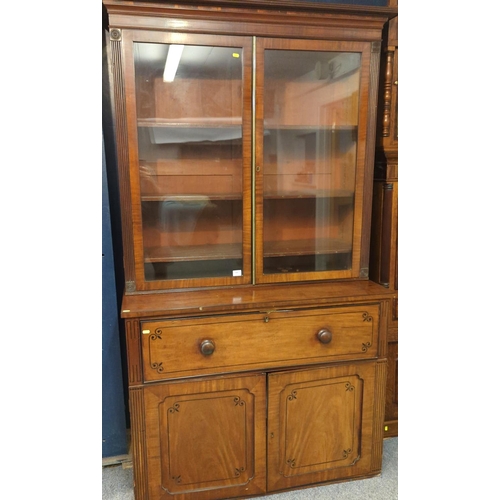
(189, 158)
(320, 425)
(206, 439)
(311, 158)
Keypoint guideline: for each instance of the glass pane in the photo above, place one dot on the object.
(189, 112)
(310, 144)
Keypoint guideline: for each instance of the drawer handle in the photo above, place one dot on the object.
(325, 336)
(207, 347)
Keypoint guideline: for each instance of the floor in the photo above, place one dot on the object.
(117, 483)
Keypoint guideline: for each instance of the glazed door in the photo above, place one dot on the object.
(320, 425)
(189, 126)
(206, 439)
(311, 127)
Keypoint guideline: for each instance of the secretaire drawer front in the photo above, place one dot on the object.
(217, 344)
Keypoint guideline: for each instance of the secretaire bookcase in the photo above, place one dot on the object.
(256, 343)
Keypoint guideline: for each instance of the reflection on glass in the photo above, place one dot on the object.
(189, 114)
(310, 140)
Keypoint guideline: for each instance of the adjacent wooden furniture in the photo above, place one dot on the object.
(256, 344)
(384, 261)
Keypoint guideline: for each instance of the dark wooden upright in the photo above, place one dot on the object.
(384, 243)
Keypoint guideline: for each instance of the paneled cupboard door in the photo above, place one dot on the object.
(311, 123)
(320, 424)
(205, 439)
(189, 125)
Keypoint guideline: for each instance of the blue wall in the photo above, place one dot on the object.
(114, 428)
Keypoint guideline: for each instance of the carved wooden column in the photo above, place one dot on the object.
(384, 243)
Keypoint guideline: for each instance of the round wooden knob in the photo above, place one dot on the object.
(207, 347)
(325, 336)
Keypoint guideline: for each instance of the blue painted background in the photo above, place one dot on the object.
(114, 428)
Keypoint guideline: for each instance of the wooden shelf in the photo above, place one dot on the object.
(231, 123)
(233, 250)
(180, 131)
(204, 122)
(312, 193)
(305, 247)
(276, 195)
(194, 253)
(309, 128)
(187, 199)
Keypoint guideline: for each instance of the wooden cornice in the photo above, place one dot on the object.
(262, 5)
(253, 10)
